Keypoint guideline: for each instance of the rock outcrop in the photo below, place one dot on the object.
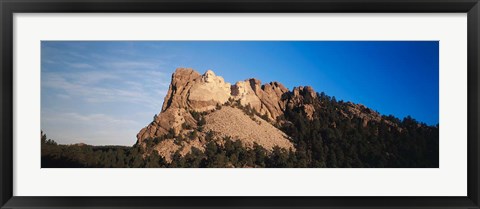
(302, 97)
(188, 91)
(265, 99)
(366, 114)
(191, 91)
(197, 105)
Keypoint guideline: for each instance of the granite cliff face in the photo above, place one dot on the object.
(188, 91)
(191, 91)
(197, 105)
(265, 99)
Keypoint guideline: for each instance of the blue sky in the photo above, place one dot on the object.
(104, 92)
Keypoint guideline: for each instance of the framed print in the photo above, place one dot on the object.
(265, 104)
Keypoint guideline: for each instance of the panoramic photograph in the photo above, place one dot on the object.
(239, 104)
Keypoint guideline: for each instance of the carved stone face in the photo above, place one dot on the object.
(209, 76)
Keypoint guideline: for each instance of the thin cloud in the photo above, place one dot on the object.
(63, 96)
(126, 65)
(101, 93)
(80, 65)
(77, 55)
(128, 88)
(101, 118)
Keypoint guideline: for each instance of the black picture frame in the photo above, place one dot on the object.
(9, 7)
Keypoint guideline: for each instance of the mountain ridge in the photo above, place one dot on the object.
(206, 122)
(191, 94)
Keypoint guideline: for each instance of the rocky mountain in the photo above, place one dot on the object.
(199, 108)
(206, 122)
(191, 91)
